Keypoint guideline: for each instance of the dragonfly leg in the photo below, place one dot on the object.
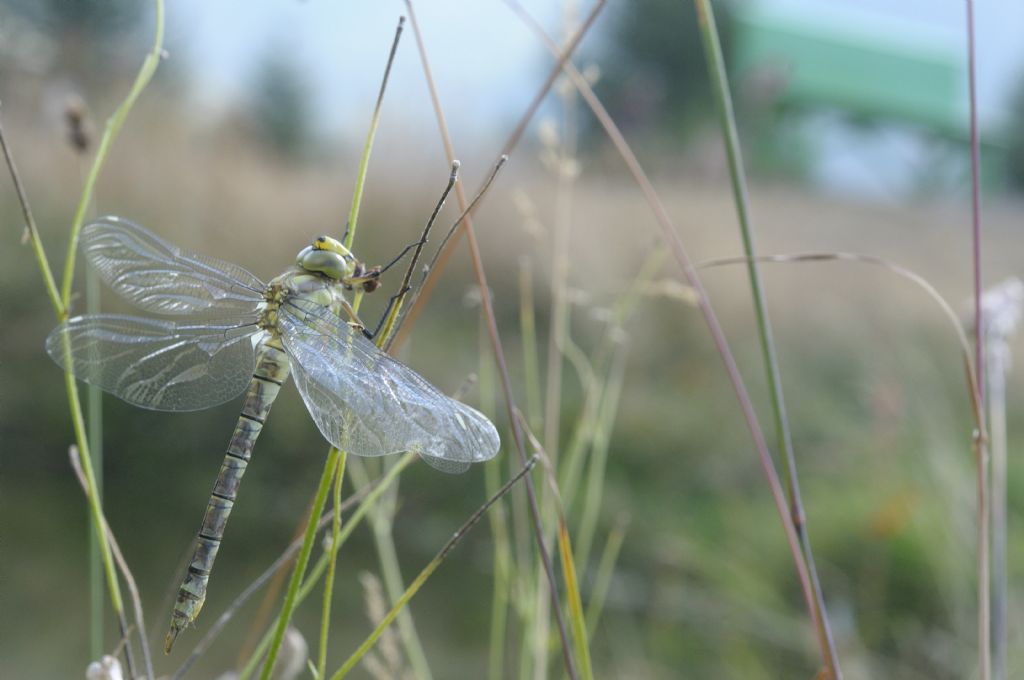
(353, 319)
(398, 258)
(392, 301)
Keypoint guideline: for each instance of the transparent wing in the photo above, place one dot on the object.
(368, 404)
(158, 364)
(159, 277)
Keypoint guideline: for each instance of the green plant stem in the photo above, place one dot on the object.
(984, 510)
(502, 576)
(678, 251)
(114, 124)
(998, 351)
(95, 507)
(528, 335)
(422, 577)
(572, 590)
(364, 160)
(599, 457)
(288, 607)
(321, 565)
(381, 521)
(784, 442)
(332, 561)
(502, 542)
(94, 410)
(603, 576)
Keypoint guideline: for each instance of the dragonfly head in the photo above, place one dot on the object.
(329, 257)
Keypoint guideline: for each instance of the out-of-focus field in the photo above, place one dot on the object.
(704, 586)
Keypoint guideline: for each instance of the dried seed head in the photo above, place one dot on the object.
(79, 126)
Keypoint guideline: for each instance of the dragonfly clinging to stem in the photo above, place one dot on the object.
(249, 337)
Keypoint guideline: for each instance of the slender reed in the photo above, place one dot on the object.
(980, 445)
(332, 561)
(333, 458)
(784, 439)
(364, 160)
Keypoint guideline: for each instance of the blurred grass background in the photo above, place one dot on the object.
(704, 586)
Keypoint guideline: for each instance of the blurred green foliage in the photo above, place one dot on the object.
(1015, 139)
(653, 73)
(91, 37)
(279, 104)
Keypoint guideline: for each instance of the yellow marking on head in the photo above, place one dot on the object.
(331, 244)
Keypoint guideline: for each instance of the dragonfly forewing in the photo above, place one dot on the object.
(159, 277)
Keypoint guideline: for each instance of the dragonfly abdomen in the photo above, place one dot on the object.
(269, 375)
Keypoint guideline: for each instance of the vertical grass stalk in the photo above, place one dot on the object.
(503, 568)
(332, 561)
(364, 161)
(981, 447)
(288, 606)
(784, 442)
(94, 411)
(686, 266)
(577, 619)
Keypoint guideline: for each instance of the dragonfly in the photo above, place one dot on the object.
(249, 336)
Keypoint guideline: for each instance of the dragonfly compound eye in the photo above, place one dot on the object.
(326, 262)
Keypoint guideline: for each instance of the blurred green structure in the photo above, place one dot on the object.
(787, 62)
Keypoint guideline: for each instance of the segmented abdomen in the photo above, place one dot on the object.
(270, 373)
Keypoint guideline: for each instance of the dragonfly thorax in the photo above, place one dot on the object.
(300, 283)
